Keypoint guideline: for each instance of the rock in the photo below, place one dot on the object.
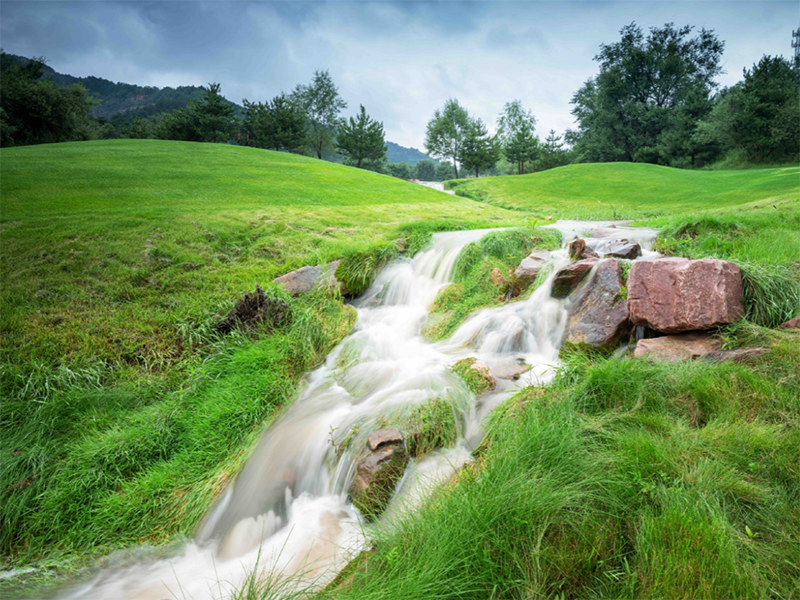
(600, 319)
(511, 370)
(476, 374)
(791, 324)
(672, 295)
(377, 474)
(305, 279)
(530, 267)
(676, 348)
(578, 250)
(382, 437)
(401, 244)
(617, 248)
(496, 277)
(740, 355)
(568, 278)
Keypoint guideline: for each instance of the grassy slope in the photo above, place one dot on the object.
(626, 479)
(123, 412)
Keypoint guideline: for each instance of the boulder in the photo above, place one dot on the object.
(496, 277)
(305, 279)
(476, 374)
(616, 248)
(568, 278)
(791, 324)
(672, 295)
(377, 474)
(390, 435)
(578, 250)
(600, 319)
(530, 267)
(676, 348)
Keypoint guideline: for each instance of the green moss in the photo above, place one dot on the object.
(372, 501)
(475, 381)
(431, 425)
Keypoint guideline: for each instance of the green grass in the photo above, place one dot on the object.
(125, 413)
(632, 190)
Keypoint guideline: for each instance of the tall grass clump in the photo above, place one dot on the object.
(771, 294)
(358, 268)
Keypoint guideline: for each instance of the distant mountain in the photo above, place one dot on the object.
(400, 154)
(132, 100)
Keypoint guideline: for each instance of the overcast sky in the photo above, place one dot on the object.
(402, 60)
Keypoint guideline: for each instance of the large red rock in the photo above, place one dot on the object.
(676, 294)
(568, 278)
(600, 318)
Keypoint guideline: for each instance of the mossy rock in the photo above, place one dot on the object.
(377, 475)
(475, 374)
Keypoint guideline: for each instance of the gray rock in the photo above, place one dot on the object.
(600, 319)
(305, 279)
(568, 278)
(616, 248)
(530, 267)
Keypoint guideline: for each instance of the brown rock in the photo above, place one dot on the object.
(675, 294)
(791, 324)
(578, 250)
(377, 474)
(390, 435)
(601, 317)
(401, 244)
(676, 348)
(530, 267)
(740, 355)
(568, 278)
(497, 278)
(305, 279)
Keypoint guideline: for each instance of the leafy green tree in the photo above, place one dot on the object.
(480, 150)
(553, 154)
(35, 111)
(425, 170)
(400, 170)
(645, 85)
(445, 171)
(210, 119)
(444, 137)
(516, 131)
(138, 130)
(278, 124)
(361, 139)
(321, 104)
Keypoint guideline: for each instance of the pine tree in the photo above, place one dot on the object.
(361, 139)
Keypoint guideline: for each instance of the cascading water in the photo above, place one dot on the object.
(288, 509)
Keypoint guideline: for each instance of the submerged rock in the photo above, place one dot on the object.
(476, 374)
(568, 278)
(378, 472)
(672, 295)
(600, 318)
(679, 347)
(305, 279)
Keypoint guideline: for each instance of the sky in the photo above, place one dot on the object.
(401, 60)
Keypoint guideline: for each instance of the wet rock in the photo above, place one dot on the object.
(578, 250)
(377, 474)
(305, 279)
(617, 248)
(254, 307)
(791, 324)
(676, 294)
(529, 268)
(600, 319)
(679, 347)
(476, 374)
(391, 435)
(511, 370)
(496, 277)
(568, 278)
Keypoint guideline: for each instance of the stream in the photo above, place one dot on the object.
(288, 512)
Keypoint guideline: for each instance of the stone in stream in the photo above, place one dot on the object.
(378, 471)
(622, 248)
(568, 278)
(672, 295)
(528, 270)
(600, 318)
(578, 250)
(791, 324)
(305, 279)
(475, 373)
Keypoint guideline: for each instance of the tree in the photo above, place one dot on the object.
(321, 104)
(278, 124)
(630, 109)
(516, 131)
(445, 171)
(400, 170)
(552, 152)
(36, 111)
(211, 119)
(445, 132)
(479, 150)
(425, 170)
(361, 139)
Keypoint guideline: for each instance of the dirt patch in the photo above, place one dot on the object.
(254, 308)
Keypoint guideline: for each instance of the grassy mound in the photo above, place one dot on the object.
(125, 411)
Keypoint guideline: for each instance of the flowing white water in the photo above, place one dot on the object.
(288, 509)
